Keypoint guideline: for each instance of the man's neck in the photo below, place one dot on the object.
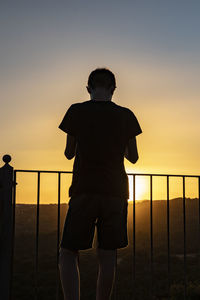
(100, 95)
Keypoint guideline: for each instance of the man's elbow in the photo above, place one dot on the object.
(69, 155)
(133, 159)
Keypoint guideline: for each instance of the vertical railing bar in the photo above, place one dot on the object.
(13, 232)
(58, 239)
(151, 233)
(184, 241)
(134, 269)
(37, 236)
(168, 239)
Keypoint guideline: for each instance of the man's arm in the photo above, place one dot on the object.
(70, 149)
(131, 152)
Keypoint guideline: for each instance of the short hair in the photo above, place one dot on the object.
(101, 77)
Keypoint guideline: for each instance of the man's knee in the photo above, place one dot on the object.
(64, 253)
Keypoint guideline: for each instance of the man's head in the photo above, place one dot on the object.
(101, 79)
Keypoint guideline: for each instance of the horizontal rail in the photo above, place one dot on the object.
(136, 174)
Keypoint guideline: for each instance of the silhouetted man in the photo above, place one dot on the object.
(99, 134)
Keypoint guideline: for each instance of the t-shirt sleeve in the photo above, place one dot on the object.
(133, 126)
(69, 121)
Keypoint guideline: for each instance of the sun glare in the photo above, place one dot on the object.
(141, 188)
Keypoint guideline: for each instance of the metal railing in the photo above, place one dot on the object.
(151, 176)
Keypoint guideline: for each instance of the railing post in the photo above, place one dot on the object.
(6, 184)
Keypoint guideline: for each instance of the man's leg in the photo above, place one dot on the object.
(106, 275)
(69, 273)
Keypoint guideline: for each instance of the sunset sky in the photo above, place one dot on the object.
(48, 49)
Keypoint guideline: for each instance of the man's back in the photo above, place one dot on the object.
(102, 130)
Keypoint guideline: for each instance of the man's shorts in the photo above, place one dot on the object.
(107, 213)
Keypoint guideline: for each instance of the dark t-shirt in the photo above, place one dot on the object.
(102, 130)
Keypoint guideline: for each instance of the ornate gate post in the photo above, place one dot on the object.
(6, 192)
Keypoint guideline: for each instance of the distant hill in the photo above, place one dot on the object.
(26, 221)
